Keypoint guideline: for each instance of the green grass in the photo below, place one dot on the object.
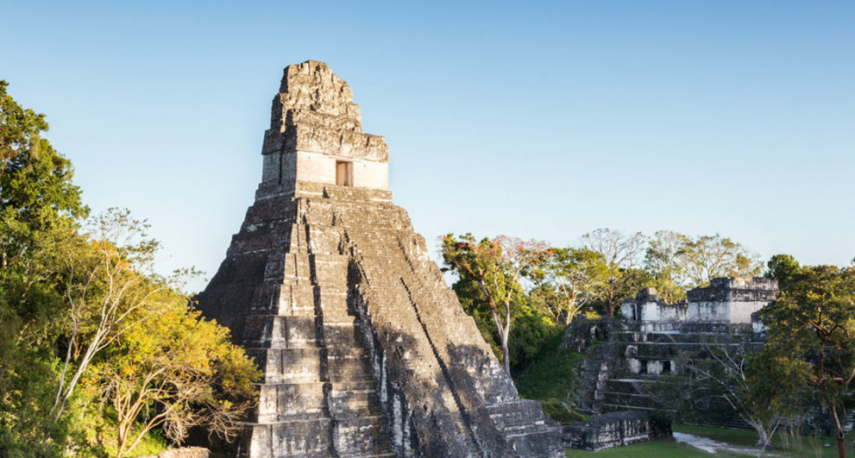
(659, 449)
(552, 374)
(804, 447)
(550, 379)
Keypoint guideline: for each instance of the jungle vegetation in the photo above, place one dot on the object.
(99, 355)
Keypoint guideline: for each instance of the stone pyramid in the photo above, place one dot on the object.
(365, 350)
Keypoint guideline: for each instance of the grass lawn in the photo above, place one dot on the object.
(810, 447)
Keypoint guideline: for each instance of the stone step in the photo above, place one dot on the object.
(290, 365)
(631, 400)
(343, 334)
(296, 267)
(361, 436)
(304, 365)
(332, 301)
(353, 403)
(340, 320)
(329, 269)
(291, 401)
(346, 364)
(295, 299)
(276, 331)
(517, 413)
(540, 443)
(322, 240)
(297, 438)
(304, 401)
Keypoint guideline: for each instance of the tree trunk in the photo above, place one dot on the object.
(763, 441)
(506, 355)
(503, 339)
(120, 441)
(838, 429)
(507, 335)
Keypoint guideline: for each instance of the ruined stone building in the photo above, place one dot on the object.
(649, 339)
(365, 350)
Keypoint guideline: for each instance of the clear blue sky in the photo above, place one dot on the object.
(535, 119)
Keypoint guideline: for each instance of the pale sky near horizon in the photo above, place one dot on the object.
(539, 120)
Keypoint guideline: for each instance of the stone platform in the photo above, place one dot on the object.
(615, 429)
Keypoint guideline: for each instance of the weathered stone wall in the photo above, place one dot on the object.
(726, 300)
(365, 351)
(315, 124)
(730, 300)
(615, 429)
(648, 307)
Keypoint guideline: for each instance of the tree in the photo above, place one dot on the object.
(784, 268)
(69, 301)
(36, 192)
(664, 261)
(110, 288)
(496, 266)
(678, 262)
(39, 209)
(531, 317)
(575, 274)
(813, 323)
(759, 387)
(713, 256)
(177, 371)
(620, 257)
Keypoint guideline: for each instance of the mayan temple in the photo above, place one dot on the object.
(365, 350)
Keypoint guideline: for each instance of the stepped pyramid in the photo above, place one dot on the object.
(365, 350)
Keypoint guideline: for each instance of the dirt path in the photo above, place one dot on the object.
(711, 446)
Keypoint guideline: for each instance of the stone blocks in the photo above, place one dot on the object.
(615, 429)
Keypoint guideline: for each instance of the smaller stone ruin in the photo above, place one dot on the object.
(728, 304)
(616, 429)
(647, 342)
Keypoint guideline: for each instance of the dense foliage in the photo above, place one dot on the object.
(495, 267)
(95, 348)
(812, 328)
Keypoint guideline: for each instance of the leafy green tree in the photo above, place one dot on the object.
(110, 288)
(177, 371)
(69, 299)
(574, 276)
(784, 268)
(678, 262)
(621, 258)
(813, 323)
(39, 207)
(531, 318)
(36, 191)
(663, 260)
(496, 266)
(712, 256)
(761, 389)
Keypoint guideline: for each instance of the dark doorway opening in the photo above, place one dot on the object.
(344, 173)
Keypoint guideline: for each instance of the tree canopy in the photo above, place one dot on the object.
(813, 324)
(86, 323)
(495, 265)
